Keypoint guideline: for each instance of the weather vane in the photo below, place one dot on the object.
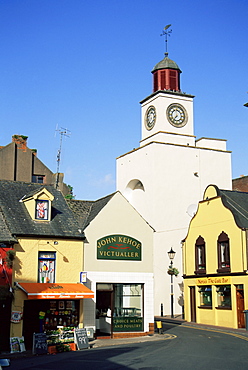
(166, 33)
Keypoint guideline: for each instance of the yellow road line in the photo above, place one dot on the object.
(217, 331)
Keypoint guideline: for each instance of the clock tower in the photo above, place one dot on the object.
(167, 112)
(166, 176)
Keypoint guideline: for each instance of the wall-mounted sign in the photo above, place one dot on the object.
(222, 280)
(83, 277)
(16, 316)
(127, 323)
(118, 247)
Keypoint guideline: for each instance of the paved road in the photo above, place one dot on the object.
(191, 348)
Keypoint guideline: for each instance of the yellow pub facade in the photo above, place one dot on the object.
(215, 260)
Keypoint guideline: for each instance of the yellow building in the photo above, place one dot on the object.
(215, 260)
(47, 245)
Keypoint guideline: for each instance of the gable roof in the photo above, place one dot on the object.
(235, 201)
(86, 210)
(16, 219)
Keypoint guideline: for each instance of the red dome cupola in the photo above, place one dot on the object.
(166, 75)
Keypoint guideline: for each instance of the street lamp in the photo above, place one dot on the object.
(171, 255)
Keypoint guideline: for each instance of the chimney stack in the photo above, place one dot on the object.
(21, 141)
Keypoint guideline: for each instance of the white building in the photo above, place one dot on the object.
(118, 259)
(166, 176)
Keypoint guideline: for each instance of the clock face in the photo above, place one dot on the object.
(177, 115)
(150, 117)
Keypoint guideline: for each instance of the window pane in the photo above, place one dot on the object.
(223, 252)
(41, 210)
(46, 266)
(201, 257)
(224, 295)
(128, 300)
(205, 295)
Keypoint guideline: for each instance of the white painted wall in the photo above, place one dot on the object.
(119, 217)
(174, 173)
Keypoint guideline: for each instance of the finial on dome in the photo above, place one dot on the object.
(166, 33)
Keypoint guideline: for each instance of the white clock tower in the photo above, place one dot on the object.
(165, 177)
(167, 110)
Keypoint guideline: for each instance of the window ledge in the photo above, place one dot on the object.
(200, 272)
(224, 270)
(223, 308)
(206, 307)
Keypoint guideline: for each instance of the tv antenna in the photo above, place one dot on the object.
(166, 33)
(63, 132)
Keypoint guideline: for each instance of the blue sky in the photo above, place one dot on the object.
(86, 65)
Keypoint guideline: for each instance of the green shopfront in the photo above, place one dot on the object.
(118, 261)
(119, 308)
(123, 286)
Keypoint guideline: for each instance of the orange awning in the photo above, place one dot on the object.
(55, 291)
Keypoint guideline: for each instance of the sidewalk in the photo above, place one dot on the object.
(96, 343)
(177, 320)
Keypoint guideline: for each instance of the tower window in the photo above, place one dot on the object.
(173, 80)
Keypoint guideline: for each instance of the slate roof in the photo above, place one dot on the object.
(86, 210)
(5, 234)
(237, 202)
(16, 221)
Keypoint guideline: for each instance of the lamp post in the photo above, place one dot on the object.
(171, 255)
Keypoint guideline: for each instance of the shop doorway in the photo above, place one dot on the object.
(240, 305)
(104, 309)
(57, 313)
(5, 312)
(31, 322)
(192, 304)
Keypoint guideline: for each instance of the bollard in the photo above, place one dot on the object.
(246, 319)
(159, 327)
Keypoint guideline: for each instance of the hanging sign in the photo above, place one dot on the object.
(119, 247)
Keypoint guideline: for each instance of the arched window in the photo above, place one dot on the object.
(223, 253)
(200, 256)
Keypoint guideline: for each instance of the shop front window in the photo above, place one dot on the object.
(46, 272)
(224, 296)
(206, 296)
(128, 307)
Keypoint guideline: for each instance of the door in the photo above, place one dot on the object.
(104, 309)
(192, 304)
(240, 306)
(5, 313)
